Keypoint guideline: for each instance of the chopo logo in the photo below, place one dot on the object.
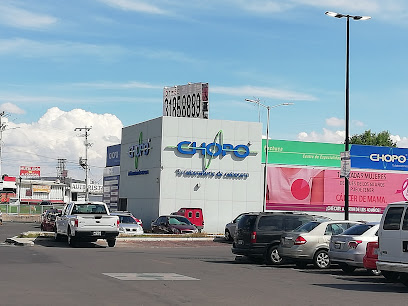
(213, 149)
(142, 148)
(388, 158)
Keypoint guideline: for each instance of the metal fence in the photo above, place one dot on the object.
(23, 209)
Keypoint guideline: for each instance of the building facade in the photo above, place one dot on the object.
(169, 163)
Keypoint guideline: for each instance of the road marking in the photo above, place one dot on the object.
(149, 276)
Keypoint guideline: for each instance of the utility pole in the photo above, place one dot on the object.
(61, 169)
(84, 162)
(2, 128)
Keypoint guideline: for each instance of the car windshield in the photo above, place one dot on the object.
(307, 227)
(358, 229)
(179, 221)
(127, 219)
(89, 209)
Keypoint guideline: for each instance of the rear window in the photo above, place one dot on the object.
(358, 230)
(392, 220)
(247, 222)
(306, 228)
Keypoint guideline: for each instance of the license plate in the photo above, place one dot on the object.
(337, 245)
(96, 233)
(240, 242)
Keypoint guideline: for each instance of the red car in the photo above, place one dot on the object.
(48, 220)
(371, 257)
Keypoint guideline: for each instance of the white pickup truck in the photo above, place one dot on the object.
(87, 221)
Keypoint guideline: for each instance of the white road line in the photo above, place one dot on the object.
(149, 276)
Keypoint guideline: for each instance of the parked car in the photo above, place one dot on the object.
(371, 256)
(128, 224)
(230, 228)
(309, 243)
(195, 215)
(173, 224)
(393, 242)
(349, 248)
(48, 220)
(258, 235)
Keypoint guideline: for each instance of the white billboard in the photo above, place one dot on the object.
(189, 100)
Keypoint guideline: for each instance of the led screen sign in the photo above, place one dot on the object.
(189, 100)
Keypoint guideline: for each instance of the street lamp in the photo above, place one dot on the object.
(268, 108)
(346, 143)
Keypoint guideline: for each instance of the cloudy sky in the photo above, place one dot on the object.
(104, 63)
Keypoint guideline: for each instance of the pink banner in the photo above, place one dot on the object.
(309, 189)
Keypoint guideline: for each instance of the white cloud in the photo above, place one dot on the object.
(11, 108)
(52, 137)
(30, 48)
(327, 136)
(19, 18)
(333, 121)
(134, 5)
(265, 92)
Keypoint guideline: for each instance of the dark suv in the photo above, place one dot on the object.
(258, 235)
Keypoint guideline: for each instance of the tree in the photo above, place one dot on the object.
(381, 139)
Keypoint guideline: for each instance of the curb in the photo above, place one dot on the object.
(20, 241)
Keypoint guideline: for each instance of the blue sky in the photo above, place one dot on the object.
(75, 63)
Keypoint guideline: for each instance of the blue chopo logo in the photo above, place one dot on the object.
(212, 149)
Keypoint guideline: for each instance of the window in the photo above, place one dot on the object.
(246, 222)
(306, 228)
(271, 223)
(405, 222)
(358, 230)
(335, 229)
(392, 220)
(197, 214)
(190, 214)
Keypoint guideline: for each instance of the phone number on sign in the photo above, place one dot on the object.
(183, 106)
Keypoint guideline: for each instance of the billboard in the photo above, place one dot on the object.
(113, 156)
(302, 153)
(189, 100)
(381, 158)
(309, 189)
(30, 171)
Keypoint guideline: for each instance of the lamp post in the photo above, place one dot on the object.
(346, 142)
(268, 108)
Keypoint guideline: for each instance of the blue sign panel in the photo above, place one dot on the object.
(381, 158)
(113, 156)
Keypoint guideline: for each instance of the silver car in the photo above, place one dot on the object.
(309, 243)
(349, 248)
(128, 225)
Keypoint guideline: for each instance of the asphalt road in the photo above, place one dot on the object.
(51, 273)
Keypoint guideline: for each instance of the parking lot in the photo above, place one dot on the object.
(205, 273)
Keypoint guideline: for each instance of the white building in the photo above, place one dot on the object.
(168, 163)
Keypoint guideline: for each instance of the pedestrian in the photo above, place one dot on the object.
(1, 218)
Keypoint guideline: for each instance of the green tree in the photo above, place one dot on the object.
(381, 139)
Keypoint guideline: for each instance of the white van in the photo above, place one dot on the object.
(393, 242)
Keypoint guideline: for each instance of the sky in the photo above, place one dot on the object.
(104, 64)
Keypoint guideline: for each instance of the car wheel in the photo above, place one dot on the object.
(111, 242)
(58, 237)
(227, 235)
(404, 278)
(273, 257)
(301, 264)
(321, 259)
(71, 240)
(374, 272)
(346, 268)
(176, 231)
(390, 275)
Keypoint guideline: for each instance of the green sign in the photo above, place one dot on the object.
(302, 153)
